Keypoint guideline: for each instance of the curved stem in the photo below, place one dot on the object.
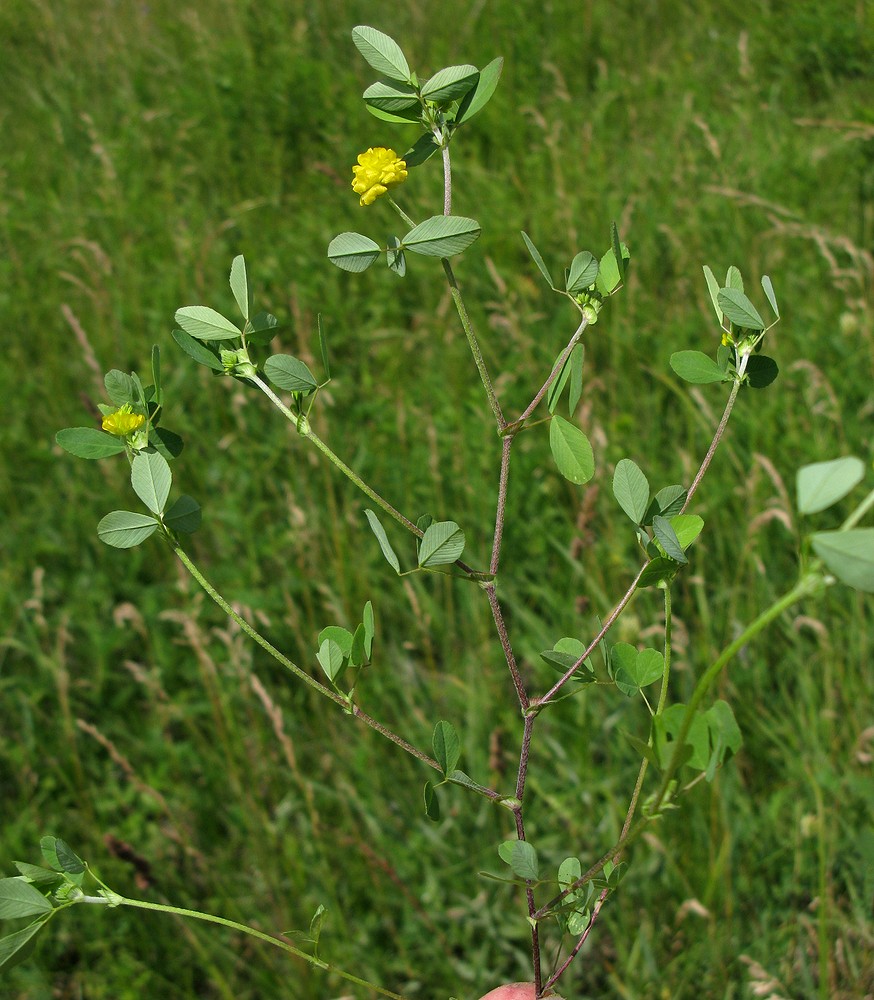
(295, 669)
(261, 936)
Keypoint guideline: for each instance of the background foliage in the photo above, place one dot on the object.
(146, 144)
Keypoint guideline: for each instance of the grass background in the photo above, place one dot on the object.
(143, 146)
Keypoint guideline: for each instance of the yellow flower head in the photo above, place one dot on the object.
(377, 170)
(123, 421)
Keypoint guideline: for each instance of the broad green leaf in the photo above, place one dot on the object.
(696, 367)
(442, 235)
(618, 249)
(465, 780)
(571, 451)
(521, 857)
(353, 252)
(358, 655)
(69, 861)
(123, 529)
(668, 540)
(34, 873)
(382, 538)
(849, 555)
(568, 872)
(289, 373)
(323, 346)
(184, 515)
(19, 899)
(565, 655)
(475, 100)
(88, 442)
(432, 803)
(446, 746)
(14, 948)
(769, 292)
(450, 84)
(553, 393)
(240, 285)
(725, 735)
(657, 571)
(402, 118)
(49, 850)
(330, 658)
(713, 289)
(381, 51)
(631, 489)
(724, 357)
(687, 527)
(761, 371)
(734, 279)
(667, 502)
(441, 544)
(194, 349)
(341, 636)
(370, 628)
(609, 272)
(151, 478)
(262, 328)
(632, 669)
(738, 308)
(394, 98)
(422, 149)
(119, 387)
(166, 443)
(824, 483)
(582, 273)
(395, 258)
(204, 323)
(538, 260)
(666, 729)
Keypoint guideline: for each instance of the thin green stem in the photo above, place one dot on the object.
(338, 699)
(400, 211)
(261, 936)
(806, 586)
(461, 309)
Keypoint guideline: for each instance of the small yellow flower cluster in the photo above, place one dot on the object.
(378, 169)
(123, 421)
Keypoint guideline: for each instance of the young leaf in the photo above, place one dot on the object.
(667, 502)
(553, 394)
(119, 387)
(521, 857)
(849, 555)
(734, 279)
(631, 489)
(19, 899)
(713, 289)
(353, 252)
(575, 387)
(475, 100)
(395, 258)
(450, 84)
(696, 367)
(666, 535)
(240, 285)
(123, 529)
(422, 149)
(201, 354)
(341, 636)
(824, 483)
(151, 478)
(369, 628)
(666, 729)
(442, 236)
(446, 746)
(619, 254)
(382, 52)
(582, 272)
(769, 293)
(725, 735)
(442, 543)
(184, 515)
(395, 99)
(88, 442)
(432, 803)
(538, 260)
(658, 571)
(358, 655)
(382, 538)
(156, 373)
(288, 373)
(571, 451)
(609, 272)
(761, 371)
(204, 323)
(331, 659)
(166, 443)
(738, 308)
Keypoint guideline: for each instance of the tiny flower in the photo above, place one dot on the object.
(377, 170)
(123, 422)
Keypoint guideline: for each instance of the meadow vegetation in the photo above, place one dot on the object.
(144, 146)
